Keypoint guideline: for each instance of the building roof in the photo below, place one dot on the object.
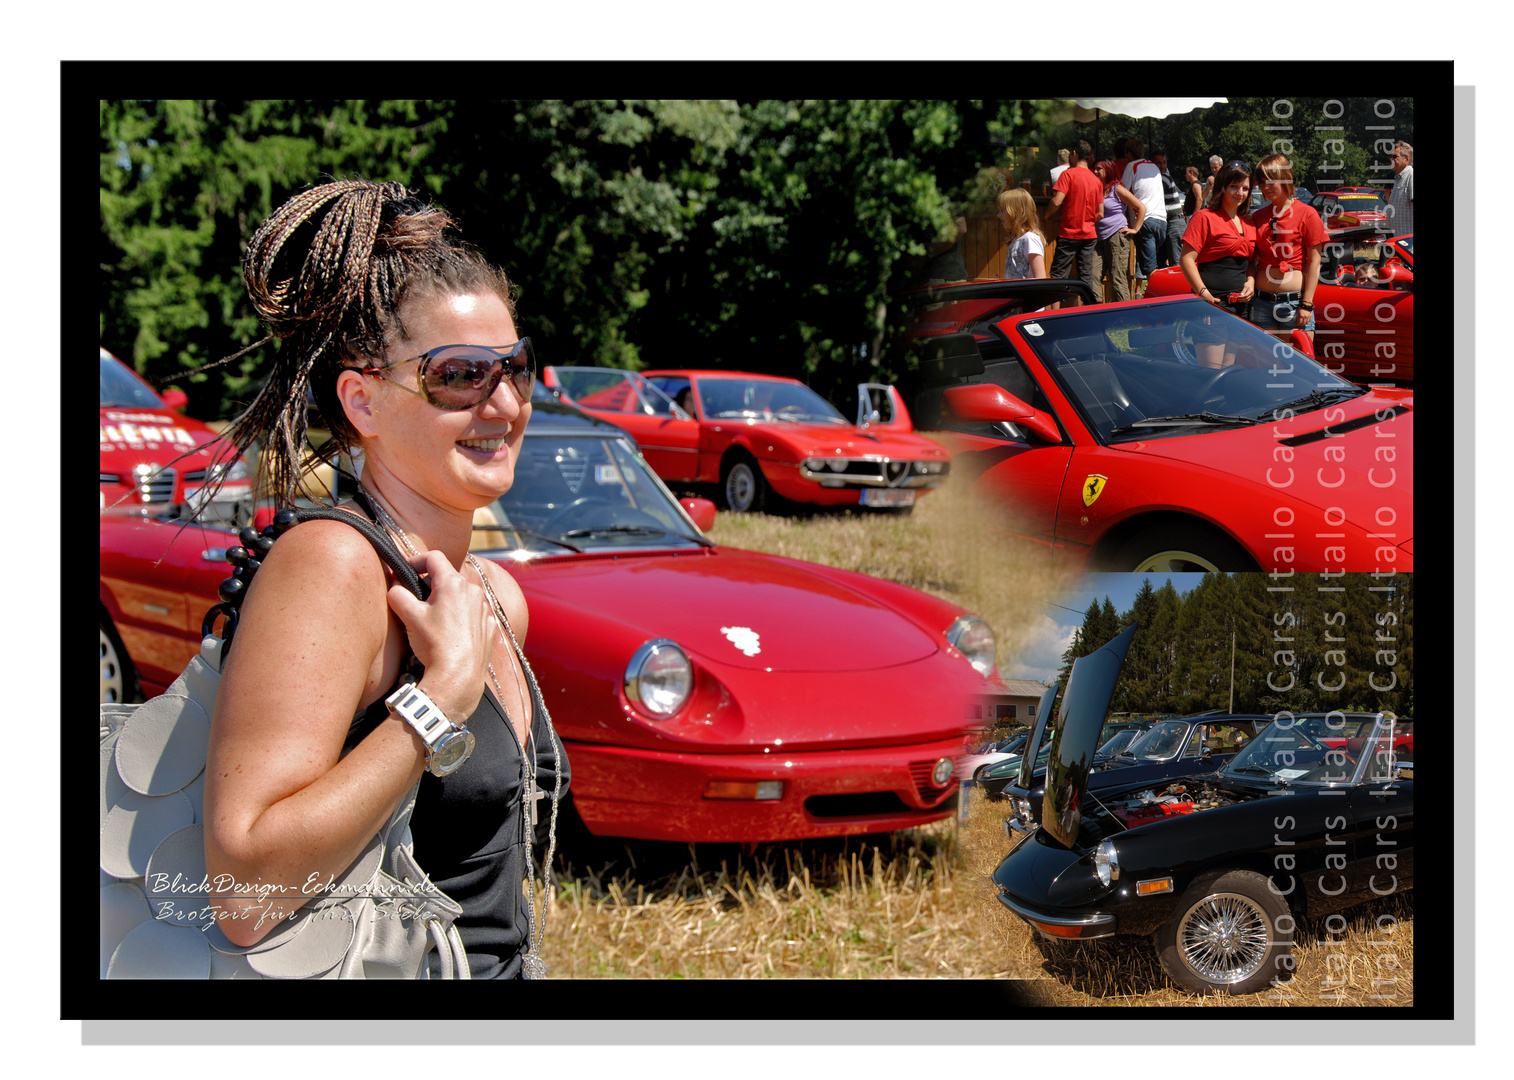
(1018, 687)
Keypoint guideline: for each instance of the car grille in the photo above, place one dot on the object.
(919, 772)
(864, 804)
(155, 485)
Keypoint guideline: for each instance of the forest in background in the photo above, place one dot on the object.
(1305, 643)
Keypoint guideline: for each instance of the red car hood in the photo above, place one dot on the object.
(825, 440)
(740, 609)
(1344, 469)
(130, 436)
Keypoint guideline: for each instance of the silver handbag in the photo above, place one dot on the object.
(378, 919)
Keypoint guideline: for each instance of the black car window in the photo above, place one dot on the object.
(118, 388)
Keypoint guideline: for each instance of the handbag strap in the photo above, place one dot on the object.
(255, 547)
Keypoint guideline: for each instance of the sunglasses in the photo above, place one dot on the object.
(457, 377)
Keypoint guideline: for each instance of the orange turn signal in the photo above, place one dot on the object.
(1058, 931)
(1159, 885)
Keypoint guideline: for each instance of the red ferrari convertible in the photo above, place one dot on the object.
(761, 436)
(1111, 441)
(703, 694)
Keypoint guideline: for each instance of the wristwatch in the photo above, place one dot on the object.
(447, 745)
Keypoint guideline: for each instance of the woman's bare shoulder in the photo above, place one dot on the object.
(510, 595)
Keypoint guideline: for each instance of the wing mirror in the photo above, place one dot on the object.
(702, 511)
(986, 403)
(1300, 341)
(175, 398)
(1397, 276)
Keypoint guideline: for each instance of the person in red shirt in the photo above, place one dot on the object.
(1081, 198)
(1217, 249)
(1289, 236)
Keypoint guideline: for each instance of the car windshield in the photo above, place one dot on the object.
(118, 389)
(1119, 741)
(1285, 752)
(1160, 743)
(1407, 243)
(1134, 371)
(575, 493)
(613, 390)
(764, 399)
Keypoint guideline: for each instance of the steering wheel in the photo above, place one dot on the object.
(580, 509)
(790, 410)
(1196, 402)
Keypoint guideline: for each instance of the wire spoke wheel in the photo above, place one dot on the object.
(1224, 938)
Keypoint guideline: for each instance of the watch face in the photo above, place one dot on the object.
(451, 752)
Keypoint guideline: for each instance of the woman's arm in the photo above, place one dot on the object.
(1135, 204)
(1311, 283)
(284, 811)
(1189, 261)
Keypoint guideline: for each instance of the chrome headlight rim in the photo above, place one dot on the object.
(640, 692)
(976, 641)
(1106, 862)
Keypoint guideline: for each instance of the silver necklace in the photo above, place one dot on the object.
(532, 965)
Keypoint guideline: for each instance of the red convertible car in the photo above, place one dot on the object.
(763, 438)
(1108, 440)
(1363, 306)
(151, 456)
(1349, 206)
(703, 693)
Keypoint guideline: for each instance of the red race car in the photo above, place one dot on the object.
(760, 436)
(1110, 441)
(703, 694)
(1363, 306)
(151, 457)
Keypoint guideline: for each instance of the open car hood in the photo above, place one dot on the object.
(1090, 686)
(1030, 750)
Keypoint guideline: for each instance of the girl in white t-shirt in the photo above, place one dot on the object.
(1026, 257)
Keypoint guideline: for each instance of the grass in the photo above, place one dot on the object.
(913, 904)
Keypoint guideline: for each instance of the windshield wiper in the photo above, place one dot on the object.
(1182, 419)
(628, 530)
(1316, 399)
(528, 532)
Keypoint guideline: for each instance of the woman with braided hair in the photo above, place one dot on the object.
(406, 341)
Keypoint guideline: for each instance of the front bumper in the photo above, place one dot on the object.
(1062, 927)
(660, 795)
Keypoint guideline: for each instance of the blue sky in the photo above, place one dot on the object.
(1041, 646)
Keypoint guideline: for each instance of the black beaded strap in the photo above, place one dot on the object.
(255, 547)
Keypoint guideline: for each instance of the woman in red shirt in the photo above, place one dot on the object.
(1217, 250)
(1289, 235)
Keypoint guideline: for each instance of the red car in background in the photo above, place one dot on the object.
(1345, 207)
(1363, 322)
(703, 693)
(1105, 437)
(152, 457)
(761, 436)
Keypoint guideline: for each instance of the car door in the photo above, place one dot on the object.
(669, 439)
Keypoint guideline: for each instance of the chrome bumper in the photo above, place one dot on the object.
(1088, 926)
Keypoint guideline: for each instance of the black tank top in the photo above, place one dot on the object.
(471, 830)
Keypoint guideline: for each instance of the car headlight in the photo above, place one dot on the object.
(238, 470)
(815, 464)
(659, 679)
(1106, 862)
(974, 639)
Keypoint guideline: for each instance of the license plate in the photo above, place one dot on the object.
(887, 497)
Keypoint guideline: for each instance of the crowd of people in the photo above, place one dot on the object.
(1262, 264)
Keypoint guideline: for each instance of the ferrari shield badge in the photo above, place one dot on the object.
(1093, 487)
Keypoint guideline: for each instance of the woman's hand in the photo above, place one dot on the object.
(1302, 315)
(1128, 231)
(450, 632)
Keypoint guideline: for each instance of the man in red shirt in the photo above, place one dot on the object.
(1081, 198)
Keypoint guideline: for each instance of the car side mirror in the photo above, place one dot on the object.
(702, 511)
(1397, 276)
(175, 398)
(986, 403)
(1301, 342)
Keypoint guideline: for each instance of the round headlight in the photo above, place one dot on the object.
(1106, 862)
(814, 464)
(942, 772)
(974, 638)
(659, 679)
(837, 464)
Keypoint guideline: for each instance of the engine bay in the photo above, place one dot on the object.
(1173, 800)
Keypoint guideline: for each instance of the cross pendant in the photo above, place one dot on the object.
(534, 795)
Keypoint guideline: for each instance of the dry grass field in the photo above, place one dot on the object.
(914, 904)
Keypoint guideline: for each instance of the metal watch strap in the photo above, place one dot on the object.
(414, 706)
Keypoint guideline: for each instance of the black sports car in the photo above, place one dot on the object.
(1218, 868)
